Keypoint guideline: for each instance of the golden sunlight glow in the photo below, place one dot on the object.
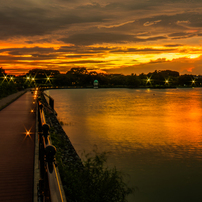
(194, 56)
(104, 60)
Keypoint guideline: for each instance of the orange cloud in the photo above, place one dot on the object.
(190, 69)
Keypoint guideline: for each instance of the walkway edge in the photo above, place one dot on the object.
(36, 161)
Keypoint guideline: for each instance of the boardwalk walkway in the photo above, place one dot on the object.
(17, 149)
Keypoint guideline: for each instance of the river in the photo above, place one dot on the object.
(153, 135)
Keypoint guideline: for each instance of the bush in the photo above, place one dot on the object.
(95, 182)
(7, 89)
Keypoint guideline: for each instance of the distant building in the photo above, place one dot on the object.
(95, 84)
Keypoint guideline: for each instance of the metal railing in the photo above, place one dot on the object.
(50, 100)
(50, 186)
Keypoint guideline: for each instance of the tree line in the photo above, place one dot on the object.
(81, 77)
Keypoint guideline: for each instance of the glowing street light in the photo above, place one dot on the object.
(48, 79)
(28, 133)
(193, 81)
(166, 81)
(28, 78)
(148, 80)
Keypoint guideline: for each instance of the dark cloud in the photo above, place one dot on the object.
(99, 38)
(27, 51)
(143, 50)
(173, 45)
(78, 56)
(81, 62)
(94, 38)
(181, 35)
(40, 21)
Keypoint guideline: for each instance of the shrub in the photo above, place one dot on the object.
(95, 182)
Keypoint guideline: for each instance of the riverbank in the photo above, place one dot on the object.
(127, 87)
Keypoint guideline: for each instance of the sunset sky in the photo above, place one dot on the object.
(112, 36)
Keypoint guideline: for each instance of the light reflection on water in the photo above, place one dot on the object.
(155, 136)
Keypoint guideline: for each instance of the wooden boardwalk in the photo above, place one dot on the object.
(17, 150)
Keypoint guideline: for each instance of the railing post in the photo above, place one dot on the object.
(51, 102)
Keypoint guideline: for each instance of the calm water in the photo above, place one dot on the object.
(155, 136)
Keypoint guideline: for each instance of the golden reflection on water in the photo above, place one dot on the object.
(136, 118)
(153, 135)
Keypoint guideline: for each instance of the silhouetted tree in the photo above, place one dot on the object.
(185, 79)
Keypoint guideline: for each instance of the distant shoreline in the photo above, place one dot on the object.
(152, 87)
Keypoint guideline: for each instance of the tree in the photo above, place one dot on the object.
(95, 182)
(185, 79)
(78, 71)
(133, 81)
(78, 75)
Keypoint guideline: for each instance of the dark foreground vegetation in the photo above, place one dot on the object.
(81, 77)
(94, 182)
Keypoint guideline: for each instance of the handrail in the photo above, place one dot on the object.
(54, 181)
(50, 100)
